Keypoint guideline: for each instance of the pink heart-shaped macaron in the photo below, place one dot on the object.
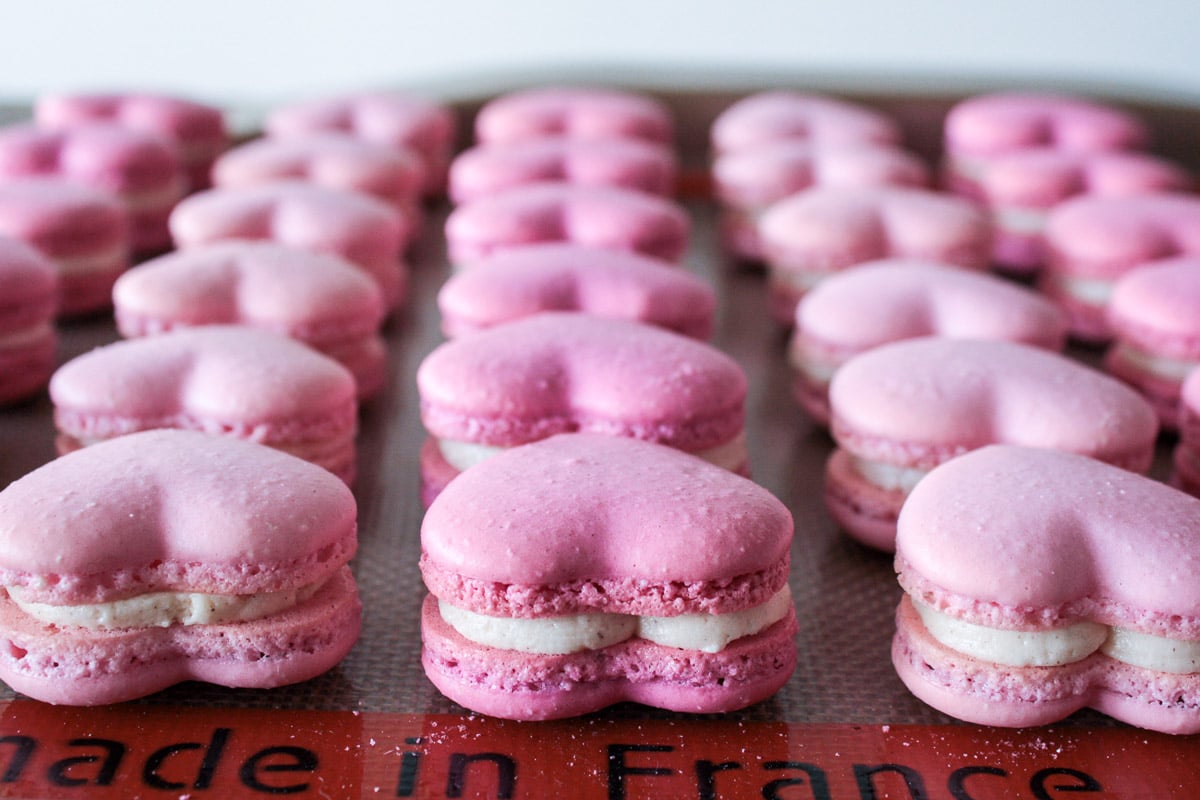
(598, 216)
(1041, 582)
(361, 229)
(593, 531)
(95, 547)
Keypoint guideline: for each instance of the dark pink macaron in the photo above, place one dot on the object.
(557, 372)
(364, 230)
(988, 125)
(168, 556)
(814, 234)
(83, 231)
(28, 301)
(747, 182)
(770, 116)
(142, 169)
(574, 111)
(227, 380)
(334, 160)
(1154, 316)
(396, 119)
(316, 298)
(598, 216)
(626, 163)
(1020, 188)
(902, 409)
(1092, 241)
(524, 281)
(890, 300)
(199, 130)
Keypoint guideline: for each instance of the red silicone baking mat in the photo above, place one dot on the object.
(843, 726)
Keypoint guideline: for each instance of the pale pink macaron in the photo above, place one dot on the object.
(559, 372)
(199, 130)
(364, 230)
(815, 234)
(1092, 241)
(83, 231)
(895, 299)
(984, 126)
(1020, 188)
(901, 409)
(142, 169)
(1038, 583)
(570, 277)
(167, 556)
(537, 213)
(1154, 316)
(319, 299)
(334, 160)
(28, 302)
(1186, 458)
(227, 380)
(579, 112)
(746, 182)
(771, 116)
(399, 120)
(626, 163)
(633, 547)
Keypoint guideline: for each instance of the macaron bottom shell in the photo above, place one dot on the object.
(524, 686)
(1014, 697)
(83, 667)
(863, 510)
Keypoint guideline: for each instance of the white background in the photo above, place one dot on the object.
(253, 53)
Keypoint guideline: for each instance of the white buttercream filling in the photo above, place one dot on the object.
(1019, 220)
(708, 633)
(1058, 646)
(164, 609)
(1175, 369)
(888, 476)
(1092, 291)
(462, 455)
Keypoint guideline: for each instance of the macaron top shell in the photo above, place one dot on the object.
(267, 285)
(219, 378)
(655, 526)
(892, 299)
(630, 163)
(772, 171)
(603, 216)
(338, 161)
(172, 510)
(995, 123)
(567, 277)
(1043, 176)
(1157, 306)
(579, 112)
(1027, 537)
(831, 228)
(771, 116)
(1105, 236)
(925, 400)
(104, 155)
(560, 371)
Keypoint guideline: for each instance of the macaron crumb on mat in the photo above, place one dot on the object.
(843, 726)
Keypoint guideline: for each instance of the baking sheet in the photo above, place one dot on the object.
(845, 594)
